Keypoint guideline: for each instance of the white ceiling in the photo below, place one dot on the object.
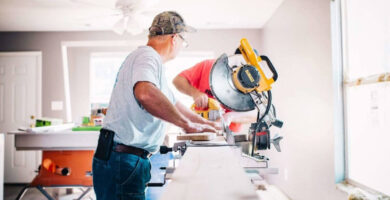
(79, 15)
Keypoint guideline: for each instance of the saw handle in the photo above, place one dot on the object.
(271, 67)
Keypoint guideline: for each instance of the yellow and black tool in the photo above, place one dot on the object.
(250, 76)
(232, 85)
(209, 113)
(241, 85)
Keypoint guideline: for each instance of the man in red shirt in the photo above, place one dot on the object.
(195, 83)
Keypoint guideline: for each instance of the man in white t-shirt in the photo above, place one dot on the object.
(140, 104)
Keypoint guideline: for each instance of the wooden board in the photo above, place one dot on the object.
(210, 173)
(197, 136)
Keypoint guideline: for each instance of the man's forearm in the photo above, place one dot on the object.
(200, 98)
(184, 86)
(157, 104)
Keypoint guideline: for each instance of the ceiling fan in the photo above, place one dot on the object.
(135, 15)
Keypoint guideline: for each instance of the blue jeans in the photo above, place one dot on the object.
(122, 177)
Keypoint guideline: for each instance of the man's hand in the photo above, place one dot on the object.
(196, 119)
(184, 86)
(198, 128)
(215, 124)
(201, 100)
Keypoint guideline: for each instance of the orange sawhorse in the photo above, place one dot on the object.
(78, 161)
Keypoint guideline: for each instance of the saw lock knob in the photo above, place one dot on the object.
(248, 76)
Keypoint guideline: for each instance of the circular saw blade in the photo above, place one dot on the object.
(223, 89)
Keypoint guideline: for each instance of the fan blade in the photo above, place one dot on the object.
(135, 5)
(119, 26)
(99, 16)
(134, 26)
(93, 3)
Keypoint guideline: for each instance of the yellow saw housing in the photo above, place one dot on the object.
(211, 112)
(252, 72)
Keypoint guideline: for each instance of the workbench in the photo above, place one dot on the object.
(203, 172)
(70, 149)
(71, 146)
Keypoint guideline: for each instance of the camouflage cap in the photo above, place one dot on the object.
(168, 22)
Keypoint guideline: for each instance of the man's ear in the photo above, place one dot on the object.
(174, 40)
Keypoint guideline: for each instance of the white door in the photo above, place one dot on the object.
(20, 98)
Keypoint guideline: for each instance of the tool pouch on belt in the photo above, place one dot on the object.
(104, 147)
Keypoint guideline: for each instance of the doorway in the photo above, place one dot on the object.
(20, 100)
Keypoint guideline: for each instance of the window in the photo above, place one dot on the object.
(103, 70)
(366, 31)
(104, 67)
(184, 61)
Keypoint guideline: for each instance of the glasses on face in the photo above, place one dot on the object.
(185, 43)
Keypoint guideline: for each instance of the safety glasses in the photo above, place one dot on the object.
(185, 43)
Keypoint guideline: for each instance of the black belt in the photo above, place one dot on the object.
(121, 148)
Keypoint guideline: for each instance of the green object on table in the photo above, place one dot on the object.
(87, 128)
(85, 120)
(40, 123)
(46, 121)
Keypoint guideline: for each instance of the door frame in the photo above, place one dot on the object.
(38, 77)
(38, 55)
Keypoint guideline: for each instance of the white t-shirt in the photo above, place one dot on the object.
(132, 124)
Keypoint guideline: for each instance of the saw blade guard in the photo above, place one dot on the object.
(223, 89)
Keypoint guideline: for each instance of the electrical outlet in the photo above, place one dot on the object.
(56, 105)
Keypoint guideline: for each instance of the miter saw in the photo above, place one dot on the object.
(243, 86)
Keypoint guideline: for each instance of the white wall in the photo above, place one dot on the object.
(297, 40)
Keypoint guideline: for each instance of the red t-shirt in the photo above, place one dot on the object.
(198, 77)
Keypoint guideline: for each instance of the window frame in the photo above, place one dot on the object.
(341, 84)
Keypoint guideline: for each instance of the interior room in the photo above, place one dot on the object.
(74, 71)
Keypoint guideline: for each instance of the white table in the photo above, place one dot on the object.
(64, 140)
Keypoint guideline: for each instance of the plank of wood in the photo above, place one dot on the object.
(210, 173)
(197, 136)
(216, 140)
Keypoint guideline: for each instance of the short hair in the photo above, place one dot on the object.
(158, 37)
